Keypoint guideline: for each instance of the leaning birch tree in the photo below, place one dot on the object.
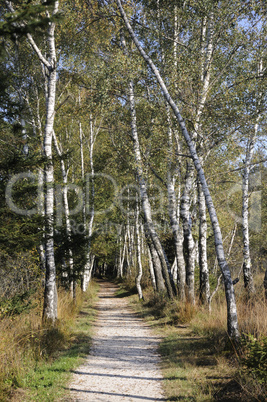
(232, 322)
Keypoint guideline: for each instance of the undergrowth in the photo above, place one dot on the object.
(33, 357)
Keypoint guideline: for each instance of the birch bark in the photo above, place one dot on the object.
(50, 296)
(160, 286)
(247, 271)
(172, 209)
(151, 270)
(204, 285)
(64, 172)
(180, 261)
(188, 243)
(138, 253)
(122, 245)
(91, 200)
(145, 200)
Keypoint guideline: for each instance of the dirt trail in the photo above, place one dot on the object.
(123, 364)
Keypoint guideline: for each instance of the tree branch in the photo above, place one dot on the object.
(30, 38)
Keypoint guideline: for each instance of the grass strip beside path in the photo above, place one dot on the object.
(48, 380)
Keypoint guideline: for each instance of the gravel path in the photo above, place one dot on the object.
(123, 364)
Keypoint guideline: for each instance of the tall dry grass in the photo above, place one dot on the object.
(24, 341)
(245, 363)
(252, 313)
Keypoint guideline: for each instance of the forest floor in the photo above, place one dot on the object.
(123, 364)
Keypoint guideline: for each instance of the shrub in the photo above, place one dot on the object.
(16, 305)
(254, 361)
(156, 302)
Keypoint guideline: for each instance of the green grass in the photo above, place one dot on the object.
(47, 380)
(192, 368)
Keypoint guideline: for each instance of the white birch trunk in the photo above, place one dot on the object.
(232, 322)
(160, 285)
(144, 197)
(41, 248)
(247, 271)
(88, 265)
(122, 256)
(151, 270)
(85, 273)
(174, 269)
(172, 209)
(50, 283)
(204, 284)
(188, 243)
(64, 173)
(50, 294)
(138, 254)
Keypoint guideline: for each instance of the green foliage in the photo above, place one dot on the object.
(28, 17)
(254, 361)
(17, 304)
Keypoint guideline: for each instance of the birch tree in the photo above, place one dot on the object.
(64, 195)
(174, 210)
(250, 146)
(138, 252)
(49, 66)
(144, 197)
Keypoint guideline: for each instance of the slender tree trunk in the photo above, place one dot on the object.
(49, 65)
(138, 254)
(50, 298)
(50, 293)
(204, 285)
(145, 201)
(172, 209)
(87, 271)
(41, 248)
(67, 217)
(151, 270)
(89, 225)
(232, 322)
(247, 271)
(122, 255)
(188, 243)
(181, 275)
(86, 268)
(128, 231)
(181, 270)
(160, 285)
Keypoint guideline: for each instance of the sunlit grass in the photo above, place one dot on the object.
(35, 362)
